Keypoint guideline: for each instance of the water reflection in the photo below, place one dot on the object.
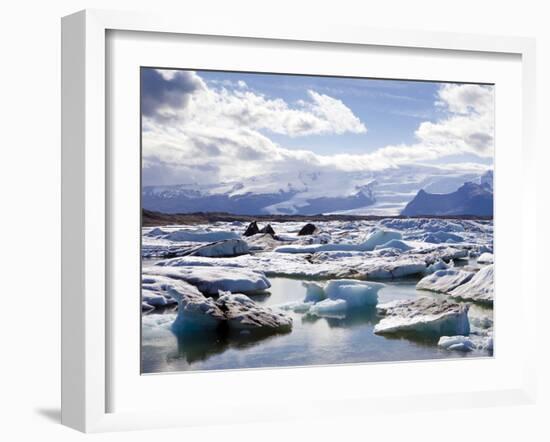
(347, 319)
(195, 347)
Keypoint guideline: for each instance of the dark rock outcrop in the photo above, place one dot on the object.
(268, 229)
(308, 229)
(252, 229)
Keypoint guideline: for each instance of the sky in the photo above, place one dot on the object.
(208, 127)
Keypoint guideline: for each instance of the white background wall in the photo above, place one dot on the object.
(29, 217)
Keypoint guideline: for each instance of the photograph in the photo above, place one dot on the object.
(301, 220)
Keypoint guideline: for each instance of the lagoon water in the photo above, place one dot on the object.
(313, 341)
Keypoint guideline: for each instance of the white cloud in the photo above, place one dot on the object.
(185, 102)
(466, 98)
(214, 134)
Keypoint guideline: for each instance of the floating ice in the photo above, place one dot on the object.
(485, 258)
(329, 307)
(444, 280)
(198, 314)
(355, 293)
(396, 269)
(209, 280)
(394, 244)
(424, 224)
(439, 265)
(146, 307)
(479, 289)
(315, 292)
(424, 316)
(442, 237)
(243, 314)
(457, 343)
(225, 248)
(296, 306)
(193, 235)
(378, 237)
(482, 322)
(162, 292)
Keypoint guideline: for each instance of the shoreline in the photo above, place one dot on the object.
(156, 219)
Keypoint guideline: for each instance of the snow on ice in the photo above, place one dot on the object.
(424, 316)
(479, 289)
(444, 280)
(210, 280)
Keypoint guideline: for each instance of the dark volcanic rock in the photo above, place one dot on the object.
(252, 229)
(308, 229)
(470, 199)
(268, 229)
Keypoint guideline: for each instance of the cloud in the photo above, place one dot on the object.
(466, 98)
(219, 133)
(184, 98)
(469, 124)
(165, 91)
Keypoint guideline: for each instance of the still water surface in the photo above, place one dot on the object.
(313, 341)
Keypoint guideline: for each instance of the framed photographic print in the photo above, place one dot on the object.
(292, 217)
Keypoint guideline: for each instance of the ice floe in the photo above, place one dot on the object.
(230, 312)
(485, 258)
(439, 265)
(158, 291)
(479, 289)
(444, 281)
(375, 238)
(426, 316)
(245, 315)
(329, 307)
(394, 244)
(220, 249)
(210, 280)
(355, 293)
(185, 235)
(315, 292)
(457, 343)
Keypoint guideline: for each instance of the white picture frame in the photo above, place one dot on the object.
(86, 318)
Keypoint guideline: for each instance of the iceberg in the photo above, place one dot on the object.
(329, 307)
(210, 280)
(439, 265)
(355, 293)
(396, 269)
(444, 281)
(244, 315)
(161, 292)
(296, 306)
(378, 237)
(230, 312)
(185, 235)
(480, 288)
(198, 314)
(486, 258)
(146, 308)
(424, 316)
(222, 249)
(394, 244)
(442, 237)
(315, 292)
(457, 343)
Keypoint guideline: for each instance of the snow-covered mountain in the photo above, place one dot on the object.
(308, 192)
(486, 180)
(304, 193)
(469, 199)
